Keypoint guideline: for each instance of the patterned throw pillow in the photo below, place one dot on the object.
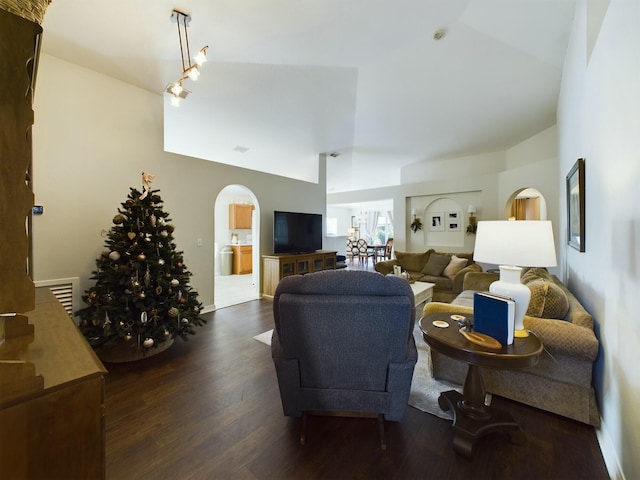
(547, 300)
(455, 265)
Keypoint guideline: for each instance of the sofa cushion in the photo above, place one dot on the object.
(455, 265)
(547, 300)
(436, 264)
(412, 262)
(441, 283)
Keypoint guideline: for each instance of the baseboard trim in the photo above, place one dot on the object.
(208, 309)
(611, 460)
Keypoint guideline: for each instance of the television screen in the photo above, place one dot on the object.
(297, 232)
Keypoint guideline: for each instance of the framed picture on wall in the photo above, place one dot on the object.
(452, 221)
(436, 222)
(575, 206)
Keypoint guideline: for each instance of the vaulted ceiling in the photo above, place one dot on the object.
(287, 80)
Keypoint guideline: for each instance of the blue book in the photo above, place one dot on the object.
(494, 315)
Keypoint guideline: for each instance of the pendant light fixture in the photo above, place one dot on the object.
(190, 70)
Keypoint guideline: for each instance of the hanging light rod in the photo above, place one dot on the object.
(190, 70)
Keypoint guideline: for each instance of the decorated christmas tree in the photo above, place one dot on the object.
(141, 297)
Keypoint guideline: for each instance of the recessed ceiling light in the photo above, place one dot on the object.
(439, 34)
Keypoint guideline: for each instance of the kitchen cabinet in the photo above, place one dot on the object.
(240, 216)
(242, 259)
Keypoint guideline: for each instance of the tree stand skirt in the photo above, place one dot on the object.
(130, 351)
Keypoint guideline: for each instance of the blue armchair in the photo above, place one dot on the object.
(343, 342)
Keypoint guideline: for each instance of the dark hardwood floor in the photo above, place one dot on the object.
(209, 408)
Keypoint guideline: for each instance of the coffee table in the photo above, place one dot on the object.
(422, 293)
(472, 419)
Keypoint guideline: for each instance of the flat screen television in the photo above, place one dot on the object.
(297, 232)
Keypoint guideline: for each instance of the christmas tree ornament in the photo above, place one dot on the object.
(148, 342)
(131, 235)
(128, 337)
(175, 283)
(141, 257)
(164, 234)
(173, 312)
(118, 219)
(161, 262)
(158, 290)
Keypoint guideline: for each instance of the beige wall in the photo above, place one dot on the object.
(93, 136)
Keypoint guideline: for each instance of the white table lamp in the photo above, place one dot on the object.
(512, 245)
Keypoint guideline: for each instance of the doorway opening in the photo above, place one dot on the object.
(237, 246)
(526, 204)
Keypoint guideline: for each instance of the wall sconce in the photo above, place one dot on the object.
(473, 221)
(417, 223)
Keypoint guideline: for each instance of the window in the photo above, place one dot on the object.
(332, 226)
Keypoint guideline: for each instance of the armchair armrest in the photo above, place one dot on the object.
(386, 267)
(459, 278)
(479, 281)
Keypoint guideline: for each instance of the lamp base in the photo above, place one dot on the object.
(510, 285)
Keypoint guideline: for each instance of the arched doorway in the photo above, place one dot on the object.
(234, 281)
(526, 204)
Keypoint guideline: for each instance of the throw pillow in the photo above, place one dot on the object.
(455, 265)
(412, 262)
(548, 300)
(436, 264)
(534, 273)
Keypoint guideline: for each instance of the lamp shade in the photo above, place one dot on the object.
(472, 209)
(524, 243)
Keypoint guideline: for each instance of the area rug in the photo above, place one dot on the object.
(425, 390)
(264, 337)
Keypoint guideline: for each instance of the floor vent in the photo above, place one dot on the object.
(65, 290)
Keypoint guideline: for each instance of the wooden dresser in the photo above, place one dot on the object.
(277, 266)
(52, 415)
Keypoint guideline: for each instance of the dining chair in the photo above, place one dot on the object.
(388, 249)
(363, 251)
(352, 250)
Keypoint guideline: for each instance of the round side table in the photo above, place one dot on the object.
(472, 419)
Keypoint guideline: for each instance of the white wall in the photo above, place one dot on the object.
(92, 138)
(599, 120)
(485, 180)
